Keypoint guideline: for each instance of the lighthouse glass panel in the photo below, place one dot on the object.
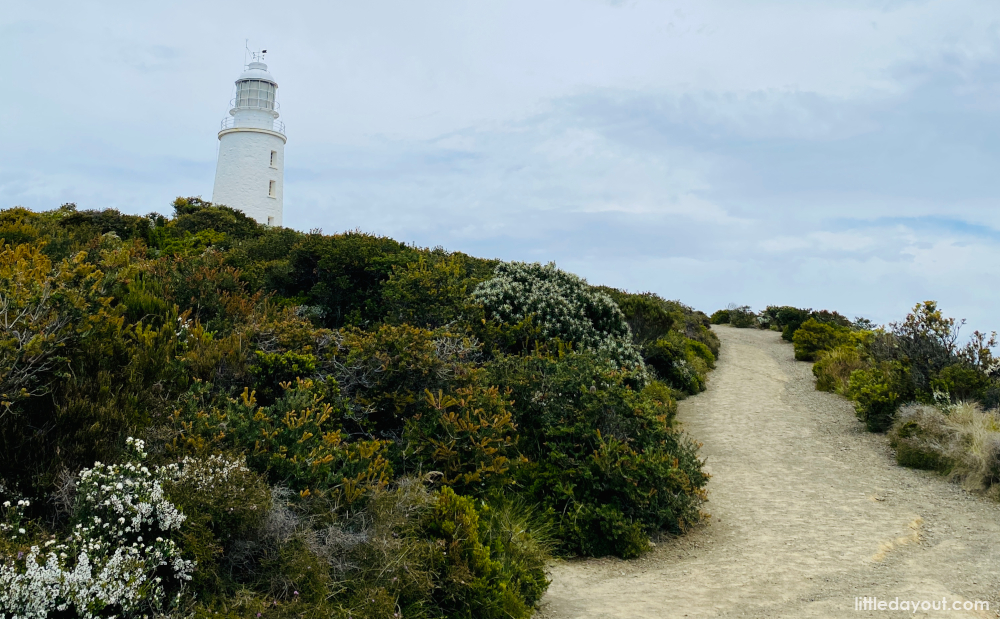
(255, 94)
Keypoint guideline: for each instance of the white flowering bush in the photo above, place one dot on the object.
(562, 305)
(118, 559)
(221, 490)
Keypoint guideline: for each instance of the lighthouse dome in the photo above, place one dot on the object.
(257, 71)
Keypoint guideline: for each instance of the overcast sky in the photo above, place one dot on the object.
(840, 154)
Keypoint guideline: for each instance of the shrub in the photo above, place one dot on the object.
(649, 317)
(470, 580)
(563, 305)
(788, 319)
(720, 317)
(742, 317)
(926, 341)
(344, 275)
(680, 362)
(814, 336)
(430, 292)
(833, 368)
(46, 309)
(520, 541)
(961, 382)
(469, 437)
(386, 373)
(976, 450)
(878, 391)
(921, 436)
(17, 226)
(119, 558)
(223, 503)
(297, 441)
(271, 370)
(602, 458)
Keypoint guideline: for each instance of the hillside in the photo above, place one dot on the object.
(201, 416)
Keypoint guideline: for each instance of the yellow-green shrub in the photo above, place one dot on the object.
(297, 441)
(469, 437)
(878, 391)
(833, 368)
(813, 337)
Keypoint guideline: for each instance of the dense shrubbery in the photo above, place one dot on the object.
(336, 426)
(813, 337)
(739, 316)
(917, 360)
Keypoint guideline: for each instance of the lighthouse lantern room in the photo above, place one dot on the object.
(250, 173)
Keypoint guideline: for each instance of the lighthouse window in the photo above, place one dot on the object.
(270, 188)
(255, 93)
(274, 158)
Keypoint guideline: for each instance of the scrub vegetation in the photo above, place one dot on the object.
(937, 397)
(201, 416)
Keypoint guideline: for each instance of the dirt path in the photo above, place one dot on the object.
(808, 512)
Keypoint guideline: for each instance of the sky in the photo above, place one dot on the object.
(837, 154)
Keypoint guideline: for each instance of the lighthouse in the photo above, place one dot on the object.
(250, 172)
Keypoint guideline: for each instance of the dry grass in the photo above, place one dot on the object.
(833, 368)
(961, 440)
(975, 449)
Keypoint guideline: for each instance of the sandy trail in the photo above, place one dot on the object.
(808, 512)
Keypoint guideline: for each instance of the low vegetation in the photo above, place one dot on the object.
(205, 417)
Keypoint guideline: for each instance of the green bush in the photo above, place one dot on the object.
(471, 583)
(271, 370)
(813, 337)
(833, 368)
(343, 274)
(223, 503)
(387, 373)
(468, 437)
(788, 319)
(720, 317)
(602, 459)
(649, 317)
(743, 317)
(878, 392)
(432, 291)
(961, 382)
(297, 441)
(680, 362)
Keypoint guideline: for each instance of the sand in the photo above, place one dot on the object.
(807, 513)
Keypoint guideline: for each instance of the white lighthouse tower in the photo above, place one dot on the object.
(251, 168)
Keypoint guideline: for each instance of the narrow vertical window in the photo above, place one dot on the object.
(270, 188)
(274, 158)
(270, 221)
